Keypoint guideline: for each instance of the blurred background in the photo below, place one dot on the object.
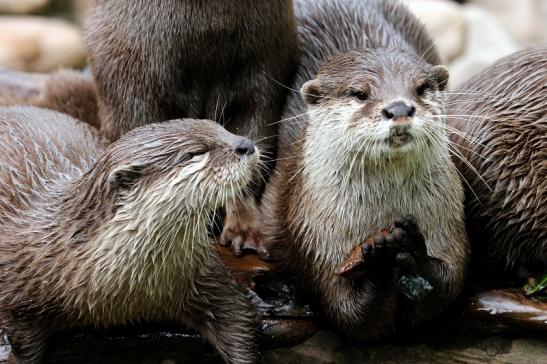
(43, 35)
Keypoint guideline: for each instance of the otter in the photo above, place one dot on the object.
(156, 60)
(363, 148)
(103, 237)
(499, 125)
(68, 91)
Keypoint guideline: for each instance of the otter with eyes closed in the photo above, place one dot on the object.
(105, 237)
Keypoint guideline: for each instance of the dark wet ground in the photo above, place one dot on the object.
(438, 346)
(494, 326)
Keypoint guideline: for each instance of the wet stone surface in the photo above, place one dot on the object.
(438, 345)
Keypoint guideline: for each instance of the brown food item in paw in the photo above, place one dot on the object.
(357, 256)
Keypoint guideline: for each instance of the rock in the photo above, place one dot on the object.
(486, 41)
(445, 22)
(526, 20)
(503, 308)
(22, 6)
(442, 345)
(39, 44)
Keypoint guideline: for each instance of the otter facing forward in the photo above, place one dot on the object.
(368, 147)
(107, 238)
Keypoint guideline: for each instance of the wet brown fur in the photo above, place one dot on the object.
(316, 231)
(501, 115)
(156, 60)
(103, 237)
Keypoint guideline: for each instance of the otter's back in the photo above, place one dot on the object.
(503, 112)
(39, 149)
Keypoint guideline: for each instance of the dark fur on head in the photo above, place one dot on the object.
(103, 237)
(342, 174)
(501, 138)
(376, 74)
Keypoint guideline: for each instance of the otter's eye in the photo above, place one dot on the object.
(359, 95)
(185, 157)
(197, 153)
(421, 90)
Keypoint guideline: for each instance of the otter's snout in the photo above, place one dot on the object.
(398, 110)
(399, 115)
(244, 147)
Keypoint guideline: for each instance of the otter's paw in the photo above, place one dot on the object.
(413, 241)
(377, 250)
(241, 231)
(241, 238)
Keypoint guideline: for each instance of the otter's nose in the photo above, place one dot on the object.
(244, 147)
(398, 110)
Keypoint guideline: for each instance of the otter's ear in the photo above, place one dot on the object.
(440, 75)
(311, 92)
(124, 177)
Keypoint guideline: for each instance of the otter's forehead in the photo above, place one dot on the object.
(179, 133)
(189, 128)
(382, 70)
(154, 147)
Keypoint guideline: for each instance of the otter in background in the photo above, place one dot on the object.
(68, 91)
(105, 237)
(156, 60)
(362, 148)
(499, 124)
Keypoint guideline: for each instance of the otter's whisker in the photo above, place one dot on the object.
(288, 87)
(461, 157)
(290, 118)
(440, 38)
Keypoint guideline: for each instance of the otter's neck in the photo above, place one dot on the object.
(340, 206)
(140, 239)
(321, 169)
(156, 230)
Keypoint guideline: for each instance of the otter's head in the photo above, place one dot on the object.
(195, 165)
(376, 105)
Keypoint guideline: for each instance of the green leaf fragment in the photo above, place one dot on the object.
(536, 287)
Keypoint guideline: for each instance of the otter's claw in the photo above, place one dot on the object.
(241, 240)
(241, 231)
(403, 243)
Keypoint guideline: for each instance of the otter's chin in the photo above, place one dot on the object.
(400, 143)
(238, 175)
(400, 140)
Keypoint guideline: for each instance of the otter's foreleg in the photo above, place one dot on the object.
(258, 120)
(445, 279)
(223, 314)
